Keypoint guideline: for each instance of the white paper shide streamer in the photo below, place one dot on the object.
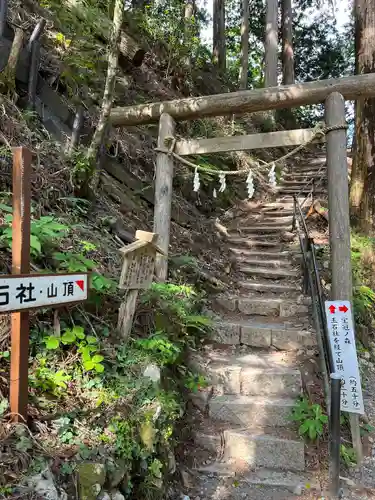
(223, 183)
(250, 185)
(272, 176)
(196, 183)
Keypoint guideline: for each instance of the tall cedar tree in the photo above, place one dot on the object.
(288, 54)
(271, 44)
(189, 26)
(244, 68)
(362, 192)
(219, 41)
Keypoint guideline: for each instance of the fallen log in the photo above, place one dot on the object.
(246, 101)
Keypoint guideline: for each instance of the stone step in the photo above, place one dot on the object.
(298, 186)
(256, 449)
(307, 176)
(259, 227)
(268, 262)
(253, 243)
(269, 273)
(262, 479)
(310, 165)
(255, 233)
(260, 255)
(263, 332)
(284, 206)
(279, 222)
(214, 487)
(271, 287)
(290, 176)
(274, 212)
(248, 411)
(300, 182)
(305, 190)
(264, 306)
(254, 375)
(303, 169)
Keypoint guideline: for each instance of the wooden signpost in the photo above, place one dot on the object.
(22, 291)
(137, 274)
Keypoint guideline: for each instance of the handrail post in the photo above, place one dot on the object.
(339, 223)
(163, 195)
(294, 221)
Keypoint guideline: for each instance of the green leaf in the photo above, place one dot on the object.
(68, 337)
(59, 256)
(6, 208)
(304, 427)
(88, 365)
(35, 243)
(312, 432)
(86, 356)
(79, 332)
(98, 358)
(99, 368)
(52, 343)
(91, 340)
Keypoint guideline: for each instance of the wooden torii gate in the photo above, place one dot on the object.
(332, 92)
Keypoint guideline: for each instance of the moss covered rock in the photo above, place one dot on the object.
(91, 477)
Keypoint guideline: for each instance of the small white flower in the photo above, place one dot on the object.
(214, 193)
(250, 185)
(223, 183)
(196, 183)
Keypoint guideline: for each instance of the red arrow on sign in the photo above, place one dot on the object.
(81, 284)
(332, 309)
(343, 309)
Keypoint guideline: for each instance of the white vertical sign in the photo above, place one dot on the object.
(344, 353)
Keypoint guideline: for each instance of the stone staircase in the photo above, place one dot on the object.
(253, 364)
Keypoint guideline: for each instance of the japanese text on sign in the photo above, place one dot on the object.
(342, 341)
(27, 292)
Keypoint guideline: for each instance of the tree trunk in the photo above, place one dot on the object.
(219, 49)
(3, 16)
(8, 76)
(113, 51)
(244, 68)
(189, 27)
(288, 54)
(362, 192)
(270, 44)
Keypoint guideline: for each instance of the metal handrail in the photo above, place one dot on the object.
(331, 379)
(308, 250)
(327, 347)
